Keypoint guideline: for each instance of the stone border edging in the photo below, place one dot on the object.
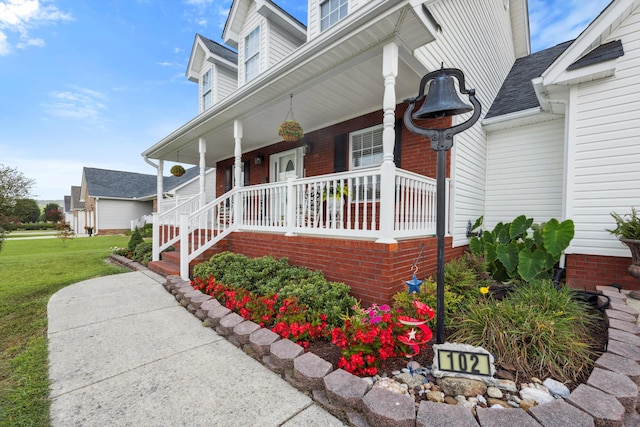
(609, 398)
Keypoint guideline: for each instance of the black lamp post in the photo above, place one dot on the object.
(441, 101)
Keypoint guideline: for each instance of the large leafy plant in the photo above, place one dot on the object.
(513, 252)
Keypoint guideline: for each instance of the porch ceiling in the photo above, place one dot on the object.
(333, 78)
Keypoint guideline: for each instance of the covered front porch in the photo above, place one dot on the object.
(342, 82)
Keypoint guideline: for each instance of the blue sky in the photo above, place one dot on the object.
(95, 82)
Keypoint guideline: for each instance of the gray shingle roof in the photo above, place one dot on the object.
(517, 93)
(601, 53)
(220, 50)
(75, 198)
(130, 185)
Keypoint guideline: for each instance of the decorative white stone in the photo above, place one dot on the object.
(556, 388)
(494, 392)
(539, 396)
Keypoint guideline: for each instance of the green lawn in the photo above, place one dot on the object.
(30, 272)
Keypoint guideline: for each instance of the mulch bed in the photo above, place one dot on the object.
(331, 353)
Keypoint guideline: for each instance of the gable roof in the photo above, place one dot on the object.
(238, 14)
(114, 184)
(605, 52)
(204, 50)
(76, 204)
(517, 92)
(219, 50)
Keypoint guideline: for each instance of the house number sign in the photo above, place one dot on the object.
(463, 362)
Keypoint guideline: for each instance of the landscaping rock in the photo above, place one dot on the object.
(624, 349)
(282, 353)
(390, 385)
(463, 386)
(617, 385)
(535, 394)
(619, 315)
(435, 396)
(384, 408)
(431, 414)
(227, 323)
(624, 326)
(345, 389)
(243, 330)
(310, 370)
(410, 380)
(604, 408)
(621, 365)
(556, 388)
(626, 337)
(260, 341)
(215, 314)
(490, 417)
(561, 414)
(625, 308)
(209, 305)
(494, 392)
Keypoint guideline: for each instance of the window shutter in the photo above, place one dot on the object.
(397, 149)
(246, 174)
(228, 181)
(340, 153)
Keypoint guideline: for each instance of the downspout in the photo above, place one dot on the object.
(95, 214)
(160, 181)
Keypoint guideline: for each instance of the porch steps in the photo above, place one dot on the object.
(169, 264)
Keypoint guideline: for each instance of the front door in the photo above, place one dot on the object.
(282, 166)
(285, 165)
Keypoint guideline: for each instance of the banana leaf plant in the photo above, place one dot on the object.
(522, 250)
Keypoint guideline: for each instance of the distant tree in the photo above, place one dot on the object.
(52, 212)
(26, 210)
(13, 186)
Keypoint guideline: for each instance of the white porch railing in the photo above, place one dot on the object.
(140, 222)
(340, 205)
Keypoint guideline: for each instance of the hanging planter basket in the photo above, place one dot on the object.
(290, 130)
(177, 170)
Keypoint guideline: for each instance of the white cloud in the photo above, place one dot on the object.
(552, 22)
(21, 16)
(77, 104)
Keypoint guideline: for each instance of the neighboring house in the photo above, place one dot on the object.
(111, 201)
(562, 141)
(345, 77)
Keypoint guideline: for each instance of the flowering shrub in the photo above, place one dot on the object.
(287, 317)
(371, 335)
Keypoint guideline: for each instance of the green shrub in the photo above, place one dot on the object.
(143, 252)
(540, 330)
(627, 225)
(267, 276)
(136, 239)
(512, 253)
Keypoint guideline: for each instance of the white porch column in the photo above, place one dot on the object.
(202, 147)
(388, 168)
(237, 134)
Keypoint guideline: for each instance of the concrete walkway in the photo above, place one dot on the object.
(123, 352)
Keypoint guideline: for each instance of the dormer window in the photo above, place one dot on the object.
(252, 54)
(332, 11)
(206, 90)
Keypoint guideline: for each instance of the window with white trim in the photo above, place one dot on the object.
(365, 147)
(332, 11)
(206, 90)
(366, 151)
(252, 54)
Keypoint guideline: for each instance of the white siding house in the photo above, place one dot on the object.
(568, 146)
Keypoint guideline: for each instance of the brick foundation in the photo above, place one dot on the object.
(589, 271)
(373, 271)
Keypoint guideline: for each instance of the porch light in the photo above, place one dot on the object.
(259, 159)
(441, 101)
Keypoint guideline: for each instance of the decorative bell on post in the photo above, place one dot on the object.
(442, 99)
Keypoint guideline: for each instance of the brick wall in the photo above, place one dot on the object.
(373, 271)
(589, 271)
